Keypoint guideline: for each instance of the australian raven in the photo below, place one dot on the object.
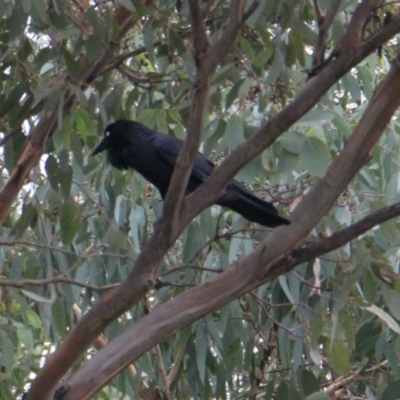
(130, 144)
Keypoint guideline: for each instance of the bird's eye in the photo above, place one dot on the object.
(107, 134)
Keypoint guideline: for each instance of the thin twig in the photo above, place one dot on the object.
(177, 362)
(226, 235)
(57, 279)
(9, 135)
(185, 266)
(161, 370)
(159, 284)
(344, 381)
(250, 10)
(85, 256)
(277, 305)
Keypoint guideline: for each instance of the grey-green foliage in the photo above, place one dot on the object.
(77, 218)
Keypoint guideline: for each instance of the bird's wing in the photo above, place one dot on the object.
(168, 149)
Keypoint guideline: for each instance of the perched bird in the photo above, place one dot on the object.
(130, 144)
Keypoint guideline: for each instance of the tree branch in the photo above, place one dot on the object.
(324, 23)
(57, 279)
(88, 253)
(249, 12)
(177, 362)
(161, 370)
(346, 235)
(184, 163)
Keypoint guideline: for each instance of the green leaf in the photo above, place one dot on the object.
(392, 300)
(13, 149)
(24, 335)
(85, 124)
(246, 48)
(148, 39)
(318, 396)
(176, 42)
(285, 287)
(234, 248)
(59, 316)
(13, 99)
(65, 174)
(346, 325)
(70, 62)
(201, 350)
(292, 141)
(127, 4)
(283, 392)
(315, 117)
(35, 297)
(351, 84)
(17, 22)
(70, 221)
(287, 161)
(316, 326)
(26, 6)
(291, 52)
(339, 357)
(233, 135)
(391, 391)
(233, 94)
(369, 286)
(53, 172)
(148, 117)
(366, 78)
(33, 319)
(308, 381)
(29, 212)
(389, 229)
(7, 354)
(315, 156)
(384, 316)
(277, 64)
(263, 57)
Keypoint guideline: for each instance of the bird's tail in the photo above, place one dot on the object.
(252, 208)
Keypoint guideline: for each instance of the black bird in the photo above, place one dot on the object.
(132, 145)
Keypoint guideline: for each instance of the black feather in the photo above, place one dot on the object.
(130, 144)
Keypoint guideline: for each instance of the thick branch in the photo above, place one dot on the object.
(200, 41)
(186, 157)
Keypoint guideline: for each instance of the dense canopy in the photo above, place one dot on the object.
(135, 297)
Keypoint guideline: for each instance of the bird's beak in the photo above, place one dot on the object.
(103, 145)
